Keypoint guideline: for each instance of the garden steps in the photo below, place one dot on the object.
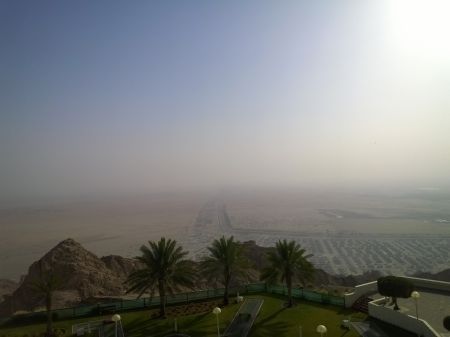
(362, 304)
(245, 317)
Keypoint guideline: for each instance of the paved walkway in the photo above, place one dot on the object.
(368, 329)
(432, 306)
(244, 318)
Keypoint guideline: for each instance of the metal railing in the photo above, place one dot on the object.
(183, 298)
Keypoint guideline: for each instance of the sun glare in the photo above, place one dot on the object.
(419, 30)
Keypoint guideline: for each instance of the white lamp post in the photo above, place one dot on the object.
(217, 311)
(116, 319)
(321, 329)
(416, 295)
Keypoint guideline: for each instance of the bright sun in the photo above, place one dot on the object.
(420, 30)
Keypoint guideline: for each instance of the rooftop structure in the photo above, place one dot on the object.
(423, 315)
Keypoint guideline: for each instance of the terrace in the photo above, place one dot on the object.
(274, 319)
(423, 316)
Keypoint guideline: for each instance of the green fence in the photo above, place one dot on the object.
(308, 295)
(184, 298)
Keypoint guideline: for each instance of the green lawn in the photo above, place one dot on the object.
(276, 320)
(138, 323)
(273, 320)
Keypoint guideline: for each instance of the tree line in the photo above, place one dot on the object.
(166, 269)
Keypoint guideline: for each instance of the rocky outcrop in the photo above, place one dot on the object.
(257, 255)
(121, 266)
(7, 287)
(80, 273)
(441, 276)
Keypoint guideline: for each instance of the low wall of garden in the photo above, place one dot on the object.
(111, 307)
(397, 318)
(378, 310)
(430, 284)
(371, 287)
(360, 290)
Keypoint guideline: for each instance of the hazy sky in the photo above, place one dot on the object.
(139, 96)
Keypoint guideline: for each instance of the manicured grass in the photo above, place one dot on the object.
(138, 323)
(194, 325)
(273, 320)
(276, 320)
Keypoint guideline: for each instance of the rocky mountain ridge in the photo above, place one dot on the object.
(81, 275)
(7, 287)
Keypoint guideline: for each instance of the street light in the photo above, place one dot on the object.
(321, 329)
(116, 319)
(216, 311)
(416, 295)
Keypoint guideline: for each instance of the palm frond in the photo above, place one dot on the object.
(225, 261)
(287, 261)
(163, 264)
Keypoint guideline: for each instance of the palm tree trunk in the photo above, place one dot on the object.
(162, 299)
(48, 307)
(289, 286)
(226, 300)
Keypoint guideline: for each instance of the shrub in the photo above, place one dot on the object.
(395, 287)
(447, 323)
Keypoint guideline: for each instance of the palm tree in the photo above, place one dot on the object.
(288, 264)
(164, 270)
(45, 286)
(224, 263)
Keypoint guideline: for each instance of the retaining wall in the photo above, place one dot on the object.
(360, 290)
(397, 318)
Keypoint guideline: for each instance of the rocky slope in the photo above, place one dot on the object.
(7, 287)
(81, 274)
(441, 276)
(321, 278)
(256, 254)
(120, 266)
